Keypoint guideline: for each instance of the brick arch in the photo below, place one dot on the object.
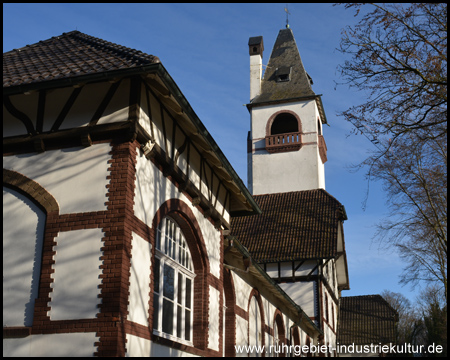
(279, 322)
(296, 340)
(273, 117)
(48, 204)
(185, 218)
(31, 189)
(255, 293)
(230, 314)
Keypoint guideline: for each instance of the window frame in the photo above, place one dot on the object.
(163, 255)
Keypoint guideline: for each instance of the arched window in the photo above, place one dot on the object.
(279, 334)
(283, 132)
(254, 326)
(173, 284)
(284, 123)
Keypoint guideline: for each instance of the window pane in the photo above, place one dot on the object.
(179, 321)
(156, 275)
(155, 311)
(187, 325)
(180, 288)
(188, 293)
(158, 239)
(167, 321)
(168, 284)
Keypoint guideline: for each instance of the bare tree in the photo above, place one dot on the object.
(399, 58)
(414, 175)
(410, 327)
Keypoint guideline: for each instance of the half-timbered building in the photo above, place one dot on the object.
(117, 211)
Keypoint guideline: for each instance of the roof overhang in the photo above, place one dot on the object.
(341, 261)
(244, 204)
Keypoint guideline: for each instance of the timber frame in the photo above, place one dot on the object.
(215, 170)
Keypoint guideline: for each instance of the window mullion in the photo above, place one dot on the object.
(175, 302)
(183, 307)
(160, 292)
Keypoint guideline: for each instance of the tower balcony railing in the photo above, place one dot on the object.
(284, 142)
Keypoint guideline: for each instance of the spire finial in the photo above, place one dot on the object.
(287, 16)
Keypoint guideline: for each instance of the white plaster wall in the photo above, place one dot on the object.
(302, 294)
(241, 334)
(213, 326)
(118, 108)
(23, 233)
(138, 302)
(255, 75)
(140, 347)
(290, 171)
(52, 345)
(76, 177)
(306, 268)
(242, 291)
(76, 277)
(153, 189)
(306, 110)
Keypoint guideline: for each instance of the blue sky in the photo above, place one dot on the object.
(204, 48)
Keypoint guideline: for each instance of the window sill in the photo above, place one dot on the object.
(172, 338)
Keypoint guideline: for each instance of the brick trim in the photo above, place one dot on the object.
(117, 228)
(230, 314)
(273, 116)
(296, 339)
(279, 322)
(31, 189)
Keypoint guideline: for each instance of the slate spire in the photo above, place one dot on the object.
(285, 77)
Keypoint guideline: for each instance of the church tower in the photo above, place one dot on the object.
(286, 148)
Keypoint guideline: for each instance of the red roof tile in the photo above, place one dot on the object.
(68, 55)
(292, 226)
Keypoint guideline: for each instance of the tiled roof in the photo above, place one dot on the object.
(68, 55)
(284, 55)
(292, 226)
(366, 319)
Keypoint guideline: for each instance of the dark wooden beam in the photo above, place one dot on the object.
(65, 110)
(19, 115)
(104, 103)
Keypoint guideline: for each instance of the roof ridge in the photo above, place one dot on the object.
(110, 45)
(69, 55)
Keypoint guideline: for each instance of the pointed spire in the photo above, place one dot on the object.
(285, 77)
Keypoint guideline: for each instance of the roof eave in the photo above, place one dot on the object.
(287, 299)
(176, 92)
(82, 79)
(159, 69)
